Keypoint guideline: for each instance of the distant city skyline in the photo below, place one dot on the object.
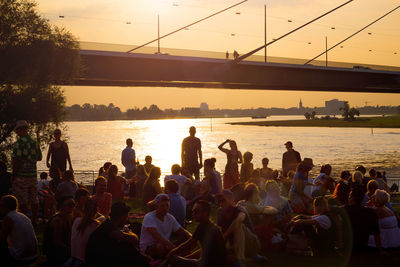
(129, 97)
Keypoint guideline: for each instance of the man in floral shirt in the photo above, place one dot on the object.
(26, 152)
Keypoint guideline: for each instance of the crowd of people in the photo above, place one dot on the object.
(257, 209)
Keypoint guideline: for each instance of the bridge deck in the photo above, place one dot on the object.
(103, 68)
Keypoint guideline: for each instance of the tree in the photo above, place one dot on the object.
(312, 115)
(349, 113)
(33, 56)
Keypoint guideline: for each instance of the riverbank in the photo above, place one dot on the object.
(371, 122)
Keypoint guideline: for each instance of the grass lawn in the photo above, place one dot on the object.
(372, 122)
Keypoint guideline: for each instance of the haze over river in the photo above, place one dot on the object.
(93, 143)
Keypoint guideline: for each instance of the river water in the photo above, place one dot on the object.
(93, 143)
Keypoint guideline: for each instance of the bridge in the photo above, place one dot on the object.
(109, 68)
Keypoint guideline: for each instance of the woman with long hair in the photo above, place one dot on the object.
(234, 157)
(81, 230)
(300, 201)
(152, 187)
(115, 183)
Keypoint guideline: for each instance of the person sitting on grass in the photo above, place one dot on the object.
(322, 187)
(148, 164)
(236, 227)
(82, 228)
(246, 170)
(68, 186)
(266, 172)
(319, 228)
(389, 229)
(342, 190)
(102, 197)
(152, 185)
(81, 196)
(177, 206)
(18, 243)
(57, 235)
(275, 199)
(115, 183)
(180, 179)
(112, 244)
(157, 228)
(136, 183)
(211, 177)
(212, 245)
(364, 221)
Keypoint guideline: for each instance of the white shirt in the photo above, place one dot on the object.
(181, 180)
(323, 221)
(164, 228)
(79, 240)
(22, 242)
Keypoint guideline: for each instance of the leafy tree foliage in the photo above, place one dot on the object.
(33, 56)
(348, 112)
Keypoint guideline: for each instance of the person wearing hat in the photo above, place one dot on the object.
(290, 159)
(112, 244)
(26, 152)
(157, 228)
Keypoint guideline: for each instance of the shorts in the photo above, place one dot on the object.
(192, 168)
(25, 189)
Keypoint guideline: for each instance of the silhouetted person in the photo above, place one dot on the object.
(227, 55)
(233, 155)
(26, 152)
(208, 235)
(5, 180)
(128, 159)
(58, 153)
(191, 154)
(235, 54)
(148, 164)
(19, 246)
(290, 159)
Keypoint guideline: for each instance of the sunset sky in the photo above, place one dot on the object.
(241, 28)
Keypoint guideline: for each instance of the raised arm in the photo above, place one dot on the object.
(200, 156)
(48, 157)
(68, 157)
(221, 146)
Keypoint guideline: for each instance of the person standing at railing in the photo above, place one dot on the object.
(128, 159)
(58, 153)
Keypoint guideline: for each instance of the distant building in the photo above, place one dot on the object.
(204, 106)
(333, 106)
(301, 104)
